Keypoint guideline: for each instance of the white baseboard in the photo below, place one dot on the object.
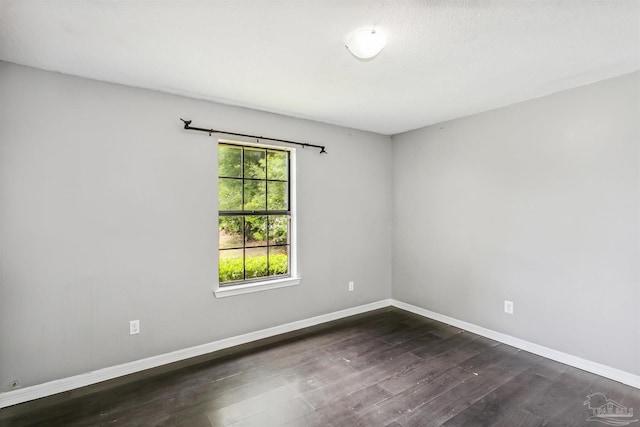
(50, 388)
(568, 359)
(26, 394)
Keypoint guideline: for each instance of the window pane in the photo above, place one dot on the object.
(230, 265)
(277, 165)
(254, 163)
(278, 230)
(229, 194)
(230, 232)
(278, 260)
(229, 161)
(277, 196)
(256, 262)
(255, 196)
(256, 230)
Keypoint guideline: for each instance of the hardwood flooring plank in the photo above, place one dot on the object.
(276, 415)
(487, 358)
(566, 393)
(332, 393)
(572, 411)
(431, 367)
(434, 365)
(220, 397)
(408, 333)
(407, 377)
(489, 408)
(317, 373)
(433, 349)
(454, 401)
(343, 412)
(237, 411)
(621, 393)
(449, 404)
(445, 331)
(518, 417)
(549, 369)
(376, 357)
(518, 362)
(481, 343)
(365, 398)
(413, 319)
(310, 419)
(196, 420)
(350, 349)
(406, 402)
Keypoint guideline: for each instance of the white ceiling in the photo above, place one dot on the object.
(444, 59)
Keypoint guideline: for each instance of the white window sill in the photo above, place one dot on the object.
(247, 288)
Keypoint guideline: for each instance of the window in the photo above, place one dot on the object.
(254, 215)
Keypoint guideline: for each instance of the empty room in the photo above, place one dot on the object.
(319, 213)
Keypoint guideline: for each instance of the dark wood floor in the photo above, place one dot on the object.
(391, 368)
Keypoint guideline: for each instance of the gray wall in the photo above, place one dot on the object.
(536, 203)
(108, 214)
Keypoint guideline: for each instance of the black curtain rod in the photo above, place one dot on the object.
(187, 125)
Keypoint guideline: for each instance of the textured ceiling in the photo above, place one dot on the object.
(444, 59)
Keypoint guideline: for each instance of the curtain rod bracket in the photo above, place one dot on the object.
(187, 125)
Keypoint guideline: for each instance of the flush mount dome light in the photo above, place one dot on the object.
(365, 43)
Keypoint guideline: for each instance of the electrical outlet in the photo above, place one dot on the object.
(508, 307)
(134, 327)
(350, 286)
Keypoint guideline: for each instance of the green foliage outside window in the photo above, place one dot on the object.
(231, 268)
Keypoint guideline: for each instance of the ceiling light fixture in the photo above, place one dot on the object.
(365, 43)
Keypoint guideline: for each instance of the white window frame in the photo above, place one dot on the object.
(264, 285)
